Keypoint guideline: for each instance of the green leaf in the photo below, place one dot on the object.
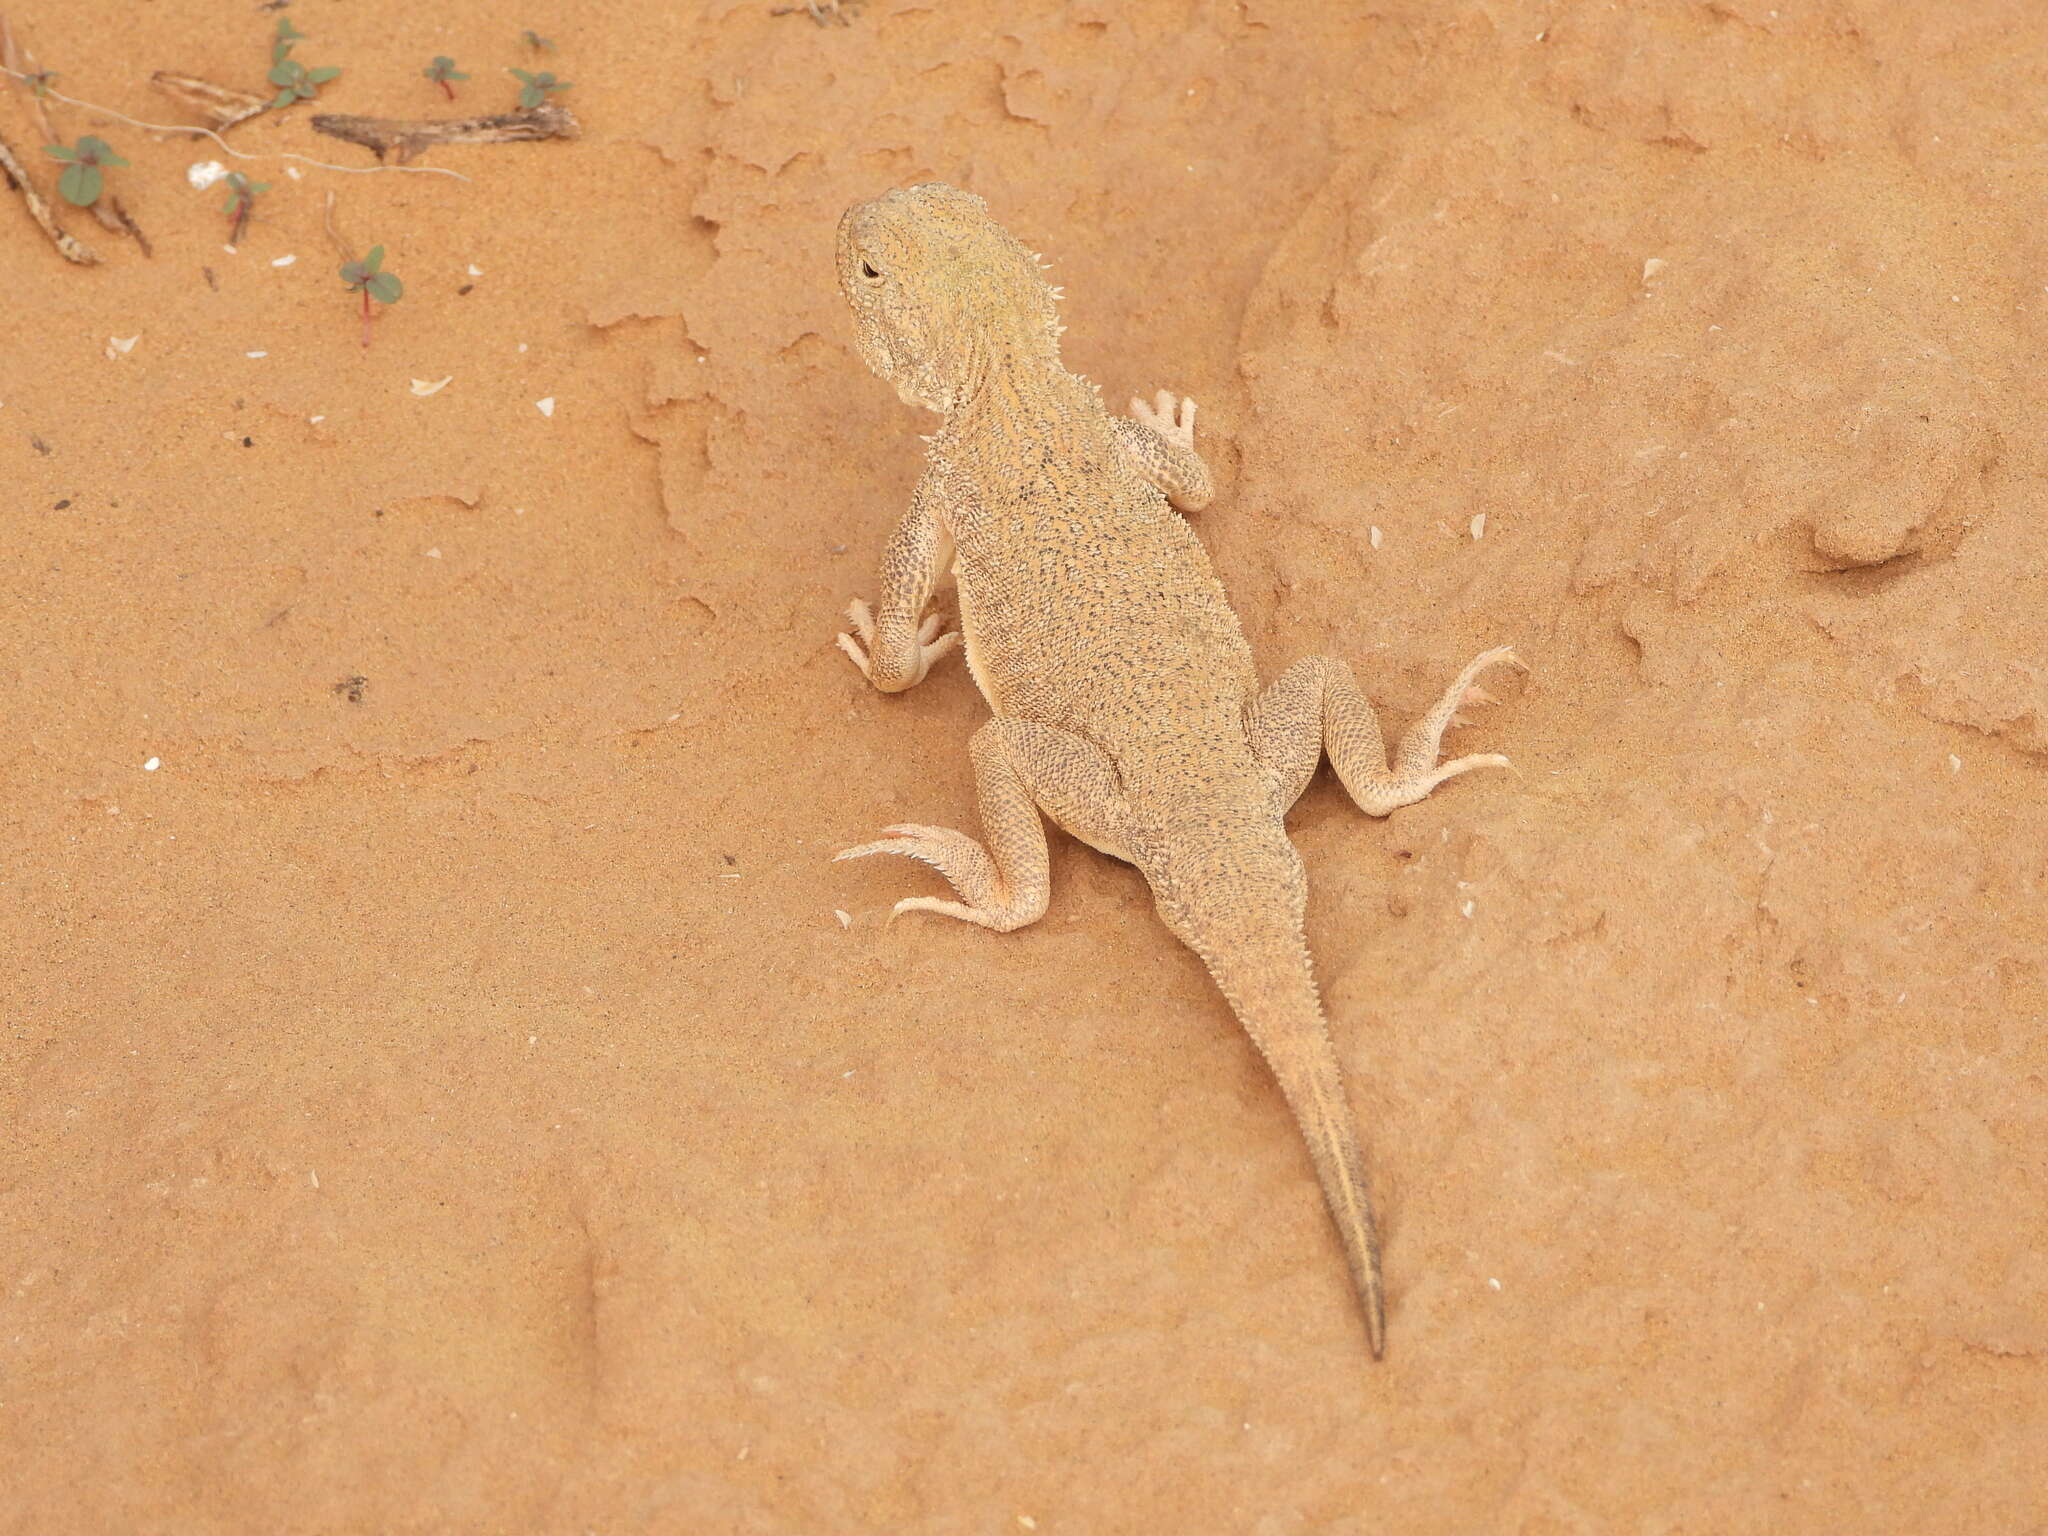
(323, 74)
(80, 184)
(522, 74)
(285, 29)
(91, 147)
(385, 287)
(60, 151)
(258, 186)
(353, 273)
(374, 262)
(283, 98)
(286, 73)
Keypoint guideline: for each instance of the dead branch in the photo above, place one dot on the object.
(221, 105)
(17, 177)
(406, 138)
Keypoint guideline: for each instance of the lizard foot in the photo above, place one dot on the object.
(859, 646)
(1416, 770)
(1175, 424)
(964, 863)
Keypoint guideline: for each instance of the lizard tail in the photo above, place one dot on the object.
(1315, 1092)
(1270, 987)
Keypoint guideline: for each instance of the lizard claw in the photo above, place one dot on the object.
(1174, 422)
(860, 645)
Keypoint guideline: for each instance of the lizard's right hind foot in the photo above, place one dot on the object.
(967, 867)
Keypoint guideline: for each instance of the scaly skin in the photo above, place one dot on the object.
(1126, 705)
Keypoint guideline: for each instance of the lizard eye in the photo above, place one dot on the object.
(868, 271)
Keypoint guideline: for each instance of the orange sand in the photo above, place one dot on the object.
(459, 1109)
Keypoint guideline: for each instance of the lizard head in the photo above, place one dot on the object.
(942, 294)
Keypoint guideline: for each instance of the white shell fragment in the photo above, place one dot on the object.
(475, 270)
(422, 388)
(255, 354)
(283, 261)
(152, 765)
(845, 919)
(1652, 267)
(1479, 525)
(1375, 535)
(121, 346)
(545, 407)
(204, 173)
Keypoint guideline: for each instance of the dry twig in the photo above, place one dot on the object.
(17, 177)
(221, 105)
(406, 138)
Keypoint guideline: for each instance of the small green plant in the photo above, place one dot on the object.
(81, 182)
(369, 278)
(533, 90)
(295, 81)
(242, 195)
(536, 42)
(40, 82)
(443, 70)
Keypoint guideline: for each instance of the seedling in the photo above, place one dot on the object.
(295, 81)
(536, 42)
(441, 71)
(40, 82)
(81, 182)
(369, 278)
(242, 195)
(533, 91)
(281, 44)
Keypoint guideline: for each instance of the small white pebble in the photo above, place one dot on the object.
(1478, 525)
(844, 920)
(849, 1072)
(283, 261)
(730, 874)
(255, 354)
(1466, 909)
(314, 1177)
(422, 388)
(204, 173)
(152, 765)
(475, 270)
(1955, 764)
(316, 420)
(121, 346)
(1493, 1282)
(545, 407)
(1375, 535)
(522, 346)
(1026, 1521)
(294, 172)
(434, 553)
(703, 359)
(231, 250)
(1652, 267)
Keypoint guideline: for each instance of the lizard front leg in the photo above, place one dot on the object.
(1160, 444)
(897, 646)
(1019, 766)
(1316, 705)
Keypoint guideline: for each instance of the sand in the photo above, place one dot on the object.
(438, 1092)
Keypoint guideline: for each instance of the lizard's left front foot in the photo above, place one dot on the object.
(910, 663)
(966, 864)
(1175, 423)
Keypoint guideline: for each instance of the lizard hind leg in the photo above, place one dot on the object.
(1351, 735)
(1007, 883)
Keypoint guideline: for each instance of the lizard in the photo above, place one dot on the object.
(1125, 703)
